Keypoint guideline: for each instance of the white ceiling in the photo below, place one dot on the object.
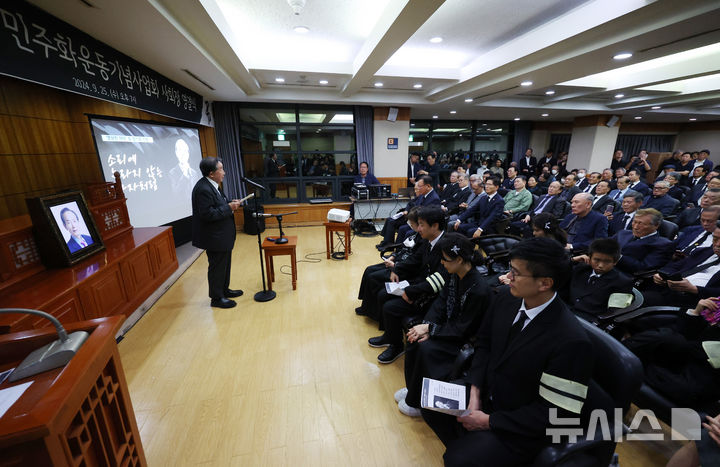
(240, 47)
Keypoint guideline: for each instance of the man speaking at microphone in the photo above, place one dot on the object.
(213, 229)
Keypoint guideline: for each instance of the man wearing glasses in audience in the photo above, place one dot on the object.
(532, 356)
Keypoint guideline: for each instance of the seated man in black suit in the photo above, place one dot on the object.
(636, 184)
(428, 278)
(623, 220)
(697, 236)
(602, 199)
(595, 278)
(424, 196)
(483, 214)
(375, 276)
(660, 199)
(679, 362)
(569, 188)
(450, 187)
(642, 248)
(691, 216)
(550, 203)
(683, 282)
(584, 225)
(509, 182)
(532, 358)
(451, 203)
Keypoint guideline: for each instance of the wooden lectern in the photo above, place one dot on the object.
(80, 414)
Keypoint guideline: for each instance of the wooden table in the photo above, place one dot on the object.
(331, 227)
(273, 249)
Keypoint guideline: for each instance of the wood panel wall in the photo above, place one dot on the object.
(46, 145)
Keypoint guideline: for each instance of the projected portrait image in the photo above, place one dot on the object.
(73, 227)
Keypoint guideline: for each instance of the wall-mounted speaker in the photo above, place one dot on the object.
(392, 114)
(612, 121)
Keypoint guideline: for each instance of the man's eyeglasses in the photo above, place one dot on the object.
(513, 273)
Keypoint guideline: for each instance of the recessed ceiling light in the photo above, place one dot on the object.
(323, 81)
(469, 99)
(516, 119)
(435, 116)
(378, 84)
(619, 96)
(484, 124)
(436, 40)
(526, 83)
(453, 111)
(549, 92)
(638, 118)
(656, 107)
(692, 119)
(623, 56)
(545, 115)
(279, 80)
(301, 29)
(417, 85)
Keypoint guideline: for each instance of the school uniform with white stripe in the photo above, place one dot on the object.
(526, 362)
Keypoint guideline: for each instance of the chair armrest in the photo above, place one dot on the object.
(650, 310)
(644, 274)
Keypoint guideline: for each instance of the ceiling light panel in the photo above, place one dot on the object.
(260, 28)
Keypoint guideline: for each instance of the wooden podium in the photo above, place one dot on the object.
(77, 415)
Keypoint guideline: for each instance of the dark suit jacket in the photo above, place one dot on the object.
(428, 199)
(370, 179)
(508, 184)
(676, 192)
(542, 162)
(616, 224)
(410, 173)
(521, 376)
(590, 300)
(641, 188)
(74, 246)
(687, 235)
(696, 192)
(483, 213)
(458, 197)
(567, 194)
(602, 204)
(643, 254)
(555, 206)
(690, 216)
(694, 259)
(593, 225)
(666, 204)
(525, 168)
(417, 269)
(213, 222)
(583, 184)
(448, 191)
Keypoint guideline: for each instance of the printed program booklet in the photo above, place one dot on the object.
(443, 397)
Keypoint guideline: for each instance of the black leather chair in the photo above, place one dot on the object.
(616, 379)
(668, 230)
(496, 249)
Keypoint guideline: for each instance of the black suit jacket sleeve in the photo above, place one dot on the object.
(460, 327)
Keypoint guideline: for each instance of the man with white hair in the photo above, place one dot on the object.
(584, 225)
(660, 200)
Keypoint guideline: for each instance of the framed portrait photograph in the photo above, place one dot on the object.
(64, 228)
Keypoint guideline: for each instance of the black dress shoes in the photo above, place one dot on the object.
(222, 303)
(233, 293)
(392, 353)
(379, 341)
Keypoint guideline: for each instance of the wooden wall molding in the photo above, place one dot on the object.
(381, 113)
(46, 145)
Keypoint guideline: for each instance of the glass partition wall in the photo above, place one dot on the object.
(314, 148)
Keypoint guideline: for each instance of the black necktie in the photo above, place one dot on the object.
(690, 248)
(625, 221)
(542, 204)
(699, 268)
(592, 279)
(616, 195)
(517, 326)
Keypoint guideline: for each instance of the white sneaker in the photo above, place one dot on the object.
(407, 410)
(400, 394)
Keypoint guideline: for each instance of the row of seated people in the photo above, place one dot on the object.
(449, 298)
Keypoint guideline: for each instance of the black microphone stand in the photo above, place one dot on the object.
(264, 295)
(282, 239)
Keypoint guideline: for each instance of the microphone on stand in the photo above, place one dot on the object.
(262, 214)
(53, 355)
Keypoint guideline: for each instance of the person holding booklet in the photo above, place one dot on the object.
(454, 316)
(531, 356)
